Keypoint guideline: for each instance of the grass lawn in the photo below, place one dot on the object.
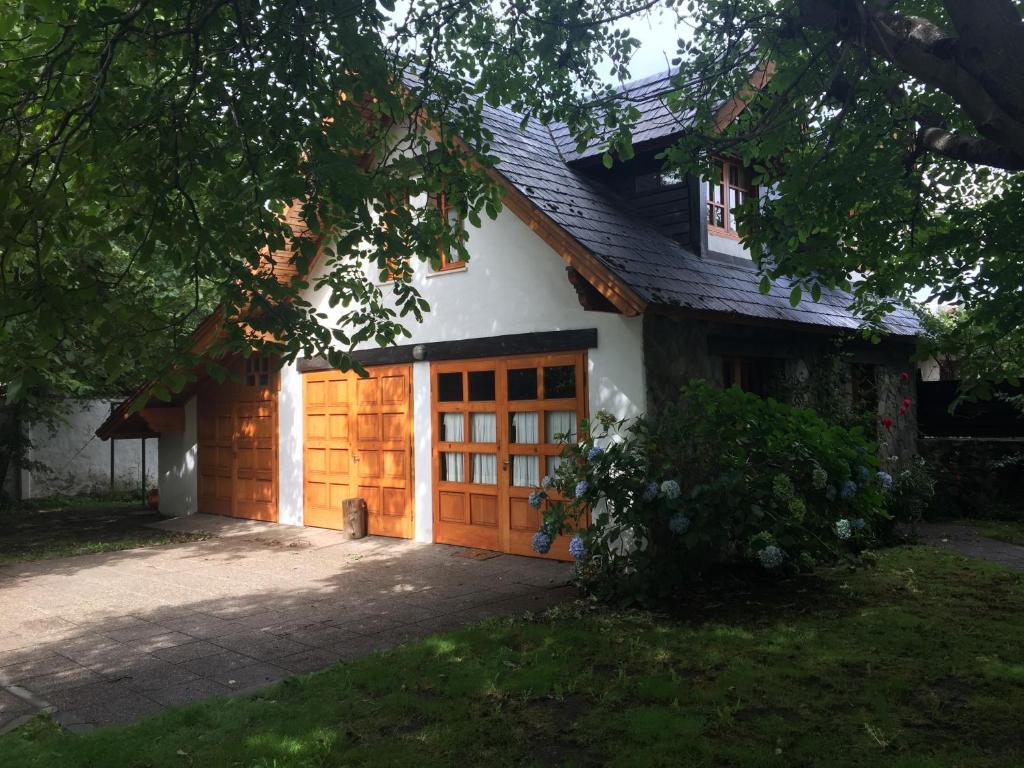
(916, 662)
(1011, 531)
(78, 526)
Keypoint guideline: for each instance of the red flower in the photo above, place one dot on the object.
(904, 376)
(903, 409)
(887, 422)
(906, 402)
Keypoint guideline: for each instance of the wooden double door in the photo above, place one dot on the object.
(237, 442)
(358, 442)
(497, 427)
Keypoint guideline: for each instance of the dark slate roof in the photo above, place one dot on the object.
(659, 270)
(656, 120)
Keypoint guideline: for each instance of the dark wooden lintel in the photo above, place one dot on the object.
(465, 349)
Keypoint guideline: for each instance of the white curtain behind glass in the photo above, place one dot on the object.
(525, 427)
(525, 469)
(483, 428)
(454, 432)
(559, 423)
(552, 463)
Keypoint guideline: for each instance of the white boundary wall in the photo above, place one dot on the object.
(514, 283)
(179, 467)
(76, 461)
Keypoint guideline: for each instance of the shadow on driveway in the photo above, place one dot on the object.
(114, 637)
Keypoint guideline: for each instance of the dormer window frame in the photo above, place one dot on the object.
(732, 187)
(449, 261)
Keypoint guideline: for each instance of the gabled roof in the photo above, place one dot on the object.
(536, 161)
(656, 120)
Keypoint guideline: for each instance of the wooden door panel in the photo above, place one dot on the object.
(529, 397)
(357, 442)
(383, 466)
(327, 480)
(237, 444)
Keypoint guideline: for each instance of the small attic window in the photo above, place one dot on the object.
(726, 195)
(452, 218)
(663, 179)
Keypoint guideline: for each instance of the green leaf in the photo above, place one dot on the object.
(795, 295)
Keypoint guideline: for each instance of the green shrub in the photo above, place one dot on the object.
(720, 476)
(910, 495)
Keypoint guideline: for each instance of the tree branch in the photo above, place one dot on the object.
(926, 53)
(970, 149)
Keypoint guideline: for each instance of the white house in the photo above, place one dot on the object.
(593, 289)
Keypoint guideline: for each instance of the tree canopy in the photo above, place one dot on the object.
(148, 150)
(891, 133)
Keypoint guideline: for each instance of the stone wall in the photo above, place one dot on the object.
(840, 378)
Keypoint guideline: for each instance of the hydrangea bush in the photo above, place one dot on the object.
(719, 476)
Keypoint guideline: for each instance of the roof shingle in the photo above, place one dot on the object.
(660, 271)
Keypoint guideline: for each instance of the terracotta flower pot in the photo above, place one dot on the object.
(153, 498)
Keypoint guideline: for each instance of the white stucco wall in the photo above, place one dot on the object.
(179, 468)
(76, 461)
(727, 245)
(514, 283)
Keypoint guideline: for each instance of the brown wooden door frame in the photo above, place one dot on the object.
(515, 522)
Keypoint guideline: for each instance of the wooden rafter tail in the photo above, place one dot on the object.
(732, 108)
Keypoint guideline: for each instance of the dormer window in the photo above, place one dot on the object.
(725, 196)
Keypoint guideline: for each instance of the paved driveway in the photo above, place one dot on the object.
(111, 638)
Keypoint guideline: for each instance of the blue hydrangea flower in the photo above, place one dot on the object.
(541, 543)
(863, 474)
(679, 524)
(670, 489)
(843, 529)
(576, 547)
(546, 482)
(581, 488)
(848, 490)
(594, 453)
(819, 478)
(650, 492)
(771, 557)
(858, 523)
(536, 498)
(885, 479)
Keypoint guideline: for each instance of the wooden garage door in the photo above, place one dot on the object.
(358, 442)
(496, 427)
(237, 431)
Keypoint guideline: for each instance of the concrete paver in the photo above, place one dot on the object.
(114, 637)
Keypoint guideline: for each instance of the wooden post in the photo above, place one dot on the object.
(143, 470)
(112, 440)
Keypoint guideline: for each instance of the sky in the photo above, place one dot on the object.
(657, 32)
